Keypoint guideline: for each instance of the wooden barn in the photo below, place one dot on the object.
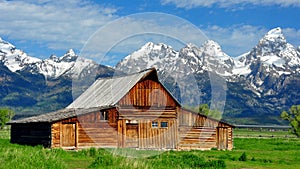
(132, 111)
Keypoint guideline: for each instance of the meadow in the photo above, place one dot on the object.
(269, 150)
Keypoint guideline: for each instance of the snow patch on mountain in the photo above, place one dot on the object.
(53, 67)
(273, 51)
(208, 57)
(56, 66)
(14, 59)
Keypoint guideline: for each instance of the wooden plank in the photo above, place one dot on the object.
(132, 135)
(68, 135)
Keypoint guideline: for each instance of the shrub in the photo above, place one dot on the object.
(243, 157)
(93, 152)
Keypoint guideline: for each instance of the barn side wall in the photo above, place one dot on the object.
(90, 130)
(31, 134)
(142, 134)
(199, 132)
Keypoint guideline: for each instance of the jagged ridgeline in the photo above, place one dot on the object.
(260, 83)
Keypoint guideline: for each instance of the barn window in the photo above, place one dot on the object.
(163, 124)
(104, 115)
(154, 124)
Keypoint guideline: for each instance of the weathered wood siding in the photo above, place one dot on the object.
(148, 93)
(90, 131)
(199, 132)
(143, 135)
(148, 101)
(31, 134)
(188, 118)
(201, 138)
(136, 131)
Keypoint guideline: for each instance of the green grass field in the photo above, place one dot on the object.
(261, 153)
(263, 133)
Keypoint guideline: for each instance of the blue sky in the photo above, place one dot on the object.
(45, 27)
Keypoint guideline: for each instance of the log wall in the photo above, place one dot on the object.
(90, 130)
(201, 138)
(200, 132)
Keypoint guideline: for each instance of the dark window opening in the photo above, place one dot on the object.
(104, 115)
(163, 124)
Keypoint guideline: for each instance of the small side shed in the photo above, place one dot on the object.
(133, 111)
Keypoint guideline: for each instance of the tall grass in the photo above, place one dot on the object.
(27, 157)
(5, 133)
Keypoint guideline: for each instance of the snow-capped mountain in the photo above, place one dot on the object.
(273, 52)
(208, 57)
(53, 67)
(13, 58)
(150, 55)
(29, 83)
(268, 64)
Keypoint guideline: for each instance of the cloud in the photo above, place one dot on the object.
(138, 29)
(292, 36)
(55, 24)
(229, 3)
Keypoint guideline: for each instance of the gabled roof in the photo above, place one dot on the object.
(57, 115)
(109, 91)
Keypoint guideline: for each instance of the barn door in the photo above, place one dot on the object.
(222, 138)
(68, 134)
(132, 136)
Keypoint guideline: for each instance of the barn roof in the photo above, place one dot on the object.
(57, 115)
(211, 118)
(109, 91)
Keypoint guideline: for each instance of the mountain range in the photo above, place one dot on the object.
(251, 89)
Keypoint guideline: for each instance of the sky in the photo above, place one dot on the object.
(112, 29)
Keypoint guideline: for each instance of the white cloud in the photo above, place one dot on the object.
(292, 36)
(55, 24)
(127, 34)
(230, 3)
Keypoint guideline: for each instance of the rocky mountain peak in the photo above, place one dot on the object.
(210, 44)
(275, 35)
(272, 50)
(272, 43)
(150, 46)
(69, 56)
(213, 49)
(191, 50)
(54, 58)
(6, 47)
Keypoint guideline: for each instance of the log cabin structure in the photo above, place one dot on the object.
(132, 111)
